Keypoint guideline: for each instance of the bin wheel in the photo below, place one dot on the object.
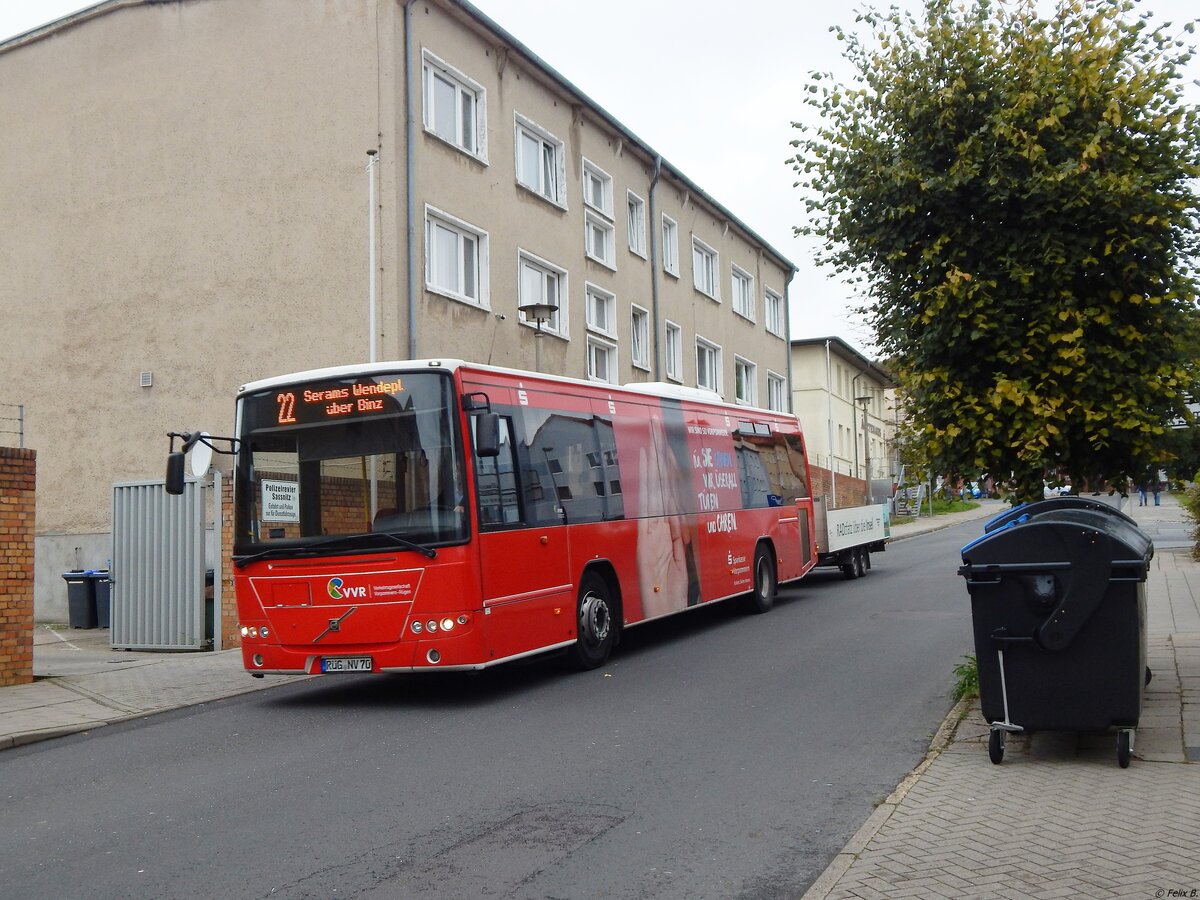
(1149, 677)
(1124, 747)
(996, 746)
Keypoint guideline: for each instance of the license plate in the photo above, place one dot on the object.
(346, 664)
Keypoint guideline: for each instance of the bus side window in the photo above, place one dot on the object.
(793, 447)
(496, 477)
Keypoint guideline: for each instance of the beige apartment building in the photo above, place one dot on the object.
(201, 193)
(847, 405)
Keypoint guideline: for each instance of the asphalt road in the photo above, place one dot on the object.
(718, 755)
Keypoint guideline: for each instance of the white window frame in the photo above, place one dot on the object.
(529, 262)
(670, 245)
(436, 218)
(597, 349)
(776, 383)
(594, 180)
(708, 346)
(598, 229)
(777, 322)
(741, 284)
(745, 393)
(706, 276)
(636, 224)
(433, 68)
(673, 350)
(551, 165)
(600, 308)
(639, 337)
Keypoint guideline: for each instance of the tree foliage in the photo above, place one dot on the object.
(1015, 196)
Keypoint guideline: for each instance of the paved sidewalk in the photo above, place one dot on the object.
(81, 683)
(1058, 818)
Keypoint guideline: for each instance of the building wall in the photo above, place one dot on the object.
(189, 185)
(487, 195)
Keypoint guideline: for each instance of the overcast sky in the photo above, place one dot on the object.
(737, 71)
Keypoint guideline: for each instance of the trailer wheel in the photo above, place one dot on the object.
(762, 598)
(596, 622)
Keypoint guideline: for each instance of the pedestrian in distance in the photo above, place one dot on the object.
(1142, 493)
(1156, 487)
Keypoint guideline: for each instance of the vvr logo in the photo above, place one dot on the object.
(338, 591)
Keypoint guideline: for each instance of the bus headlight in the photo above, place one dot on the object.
(447, 624)
(417, 627)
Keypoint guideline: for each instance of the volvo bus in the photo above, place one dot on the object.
(443, 515)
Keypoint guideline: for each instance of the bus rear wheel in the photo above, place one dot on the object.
(596, 623)
(762, 597)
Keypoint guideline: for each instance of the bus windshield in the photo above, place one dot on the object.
(363, 462)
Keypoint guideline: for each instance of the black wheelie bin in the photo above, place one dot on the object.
(1058, 608)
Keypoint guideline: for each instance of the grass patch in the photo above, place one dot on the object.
(966, 678)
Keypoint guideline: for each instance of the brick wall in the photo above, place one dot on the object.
(17, 478)
(226, 616)
(850, 491)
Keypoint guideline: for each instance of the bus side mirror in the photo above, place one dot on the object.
(487, 435)
(175, 472)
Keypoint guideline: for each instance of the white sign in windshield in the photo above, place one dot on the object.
(280, 501)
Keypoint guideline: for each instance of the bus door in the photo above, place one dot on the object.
(528, 600)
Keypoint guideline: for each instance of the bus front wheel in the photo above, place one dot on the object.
(596, 622)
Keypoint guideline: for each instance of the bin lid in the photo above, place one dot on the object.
(1045, 538)
(1052, 504)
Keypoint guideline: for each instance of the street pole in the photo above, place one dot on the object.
(866, 448)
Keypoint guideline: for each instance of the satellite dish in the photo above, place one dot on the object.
(201, 457)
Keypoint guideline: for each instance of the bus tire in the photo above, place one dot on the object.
(596, 623)
(762, 596)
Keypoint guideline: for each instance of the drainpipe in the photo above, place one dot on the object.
(829, 423)
(409, 182)
(787, 331)
(372, 159)
(655, 236)
(854, 416)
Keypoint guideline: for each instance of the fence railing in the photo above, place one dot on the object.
(12, 424)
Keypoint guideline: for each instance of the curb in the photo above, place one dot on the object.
(828, 879)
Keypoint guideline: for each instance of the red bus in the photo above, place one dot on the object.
(437, 514)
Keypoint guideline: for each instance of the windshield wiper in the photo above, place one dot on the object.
(427, 552)
(271, 553)
(330, 543)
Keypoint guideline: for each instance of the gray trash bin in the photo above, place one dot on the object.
(103, 588)
(81, 599)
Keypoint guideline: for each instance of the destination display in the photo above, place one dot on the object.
(323, 402)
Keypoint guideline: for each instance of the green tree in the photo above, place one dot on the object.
(1014, 196)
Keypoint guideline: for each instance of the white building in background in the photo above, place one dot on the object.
(846, 405)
